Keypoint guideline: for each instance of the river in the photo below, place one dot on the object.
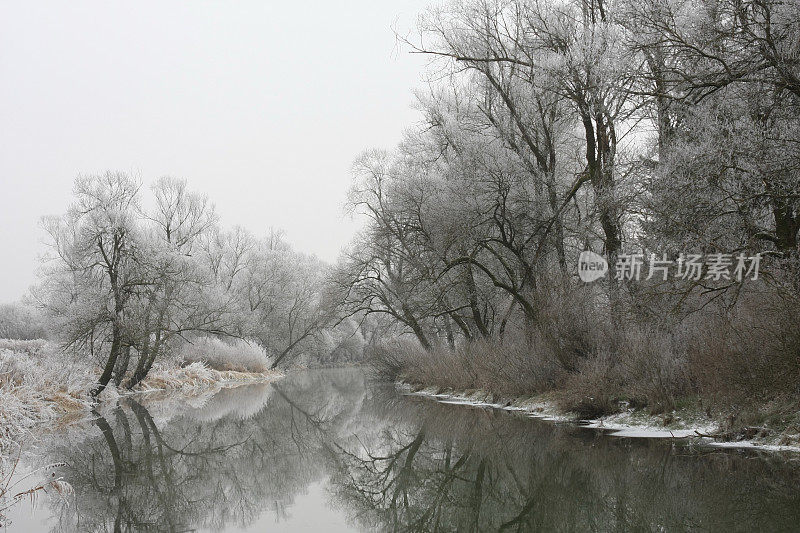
(326, 450)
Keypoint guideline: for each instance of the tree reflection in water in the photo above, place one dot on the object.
(216, 466)
(452, 468)
(402, 464)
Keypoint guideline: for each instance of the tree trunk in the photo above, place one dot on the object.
(149, 354)
(418, 331)
(448, 328)
(600, 152)
(146, 362)
(122, 364)
(787, 224)
(473, 303)
(108, 370)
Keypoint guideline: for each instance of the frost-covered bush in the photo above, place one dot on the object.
(42, 366)
(222, 354)
(37, 381)
(19, 321)
(341, 344)
(167, 377)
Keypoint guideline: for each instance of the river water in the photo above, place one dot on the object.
(325, 450)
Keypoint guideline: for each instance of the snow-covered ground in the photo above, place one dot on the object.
(631, 423)
(42, 386)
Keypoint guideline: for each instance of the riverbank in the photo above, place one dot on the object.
(39, 389)
(733, 378)
(23, 412)
(628, 422)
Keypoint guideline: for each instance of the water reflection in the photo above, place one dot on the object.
(451, 468)
(402, 464)
(245, 452)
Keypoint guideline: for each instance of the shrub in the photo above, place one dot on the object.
(35, 384)
(505, 369)
(42, 366)
(21, 322)
(750, 356)
(739, 357)
(225, 354)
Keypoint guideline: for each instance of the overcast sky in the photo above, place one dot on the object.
(261, 106)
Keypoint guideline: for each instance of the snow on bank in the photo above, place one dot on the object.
(198, 375)
(194, 388)
(37, 386)
(630, 424)
(40, 386)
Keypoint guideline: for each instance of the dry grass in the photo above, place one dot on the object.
(197, 375)
(739, 363)
(38, 383)
(41, 480)
(503, 369)
(41, 385)
(222, 354)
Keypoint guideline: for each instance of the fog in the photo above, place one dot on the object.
(261, 106)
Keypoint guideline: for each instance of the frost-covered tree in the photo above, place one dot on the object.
(94, 270)
(123, 283)
(663, 126)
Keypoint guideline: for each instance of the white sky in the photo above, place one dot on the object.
(261, 106)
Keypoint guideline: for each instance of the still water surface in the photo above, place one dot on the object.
(324, 450)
